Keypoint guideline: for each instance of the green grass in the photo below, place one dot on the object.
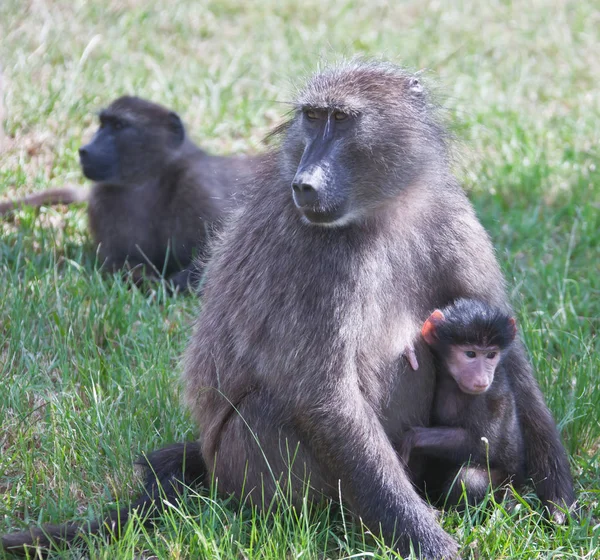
(89, 368)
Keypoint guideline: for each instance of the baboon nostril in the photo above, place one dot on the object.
(305, 194)
(82, 152)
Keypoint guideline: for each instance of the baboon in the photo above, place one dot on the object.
(156, 197)
(348, 236)
(475, 437)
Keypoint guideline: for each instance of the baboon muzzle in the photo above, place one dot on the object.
(314, 185)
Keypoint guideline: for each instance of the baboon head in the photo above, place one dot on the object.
(472, 338)
(360, 133)
(134, 140)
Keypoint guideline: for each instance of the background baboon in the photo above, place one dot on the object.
(473, 400)
(156, 196)
(312, 295)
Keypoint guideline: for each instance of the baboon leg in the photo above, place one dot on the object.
(258, 446)
(260, 457)
(474, 482)
(189, 278)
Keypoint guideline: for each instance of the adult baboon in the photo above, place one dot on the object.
(316, 290)
(352, 232)
(156, 195)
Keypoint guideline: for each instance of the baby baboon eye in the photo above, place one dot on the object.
(470, 354)
(311, 114)
(339, 116)
(491, 355)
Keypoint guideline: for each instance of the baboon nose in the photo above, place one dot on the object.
(304, 194)
(82, 152)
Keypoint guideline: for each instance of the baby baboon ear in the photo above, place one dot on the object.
(428, 331)
(177, 129)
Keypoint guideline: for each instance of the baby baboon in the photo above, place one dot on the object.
(156, 196)
(350, 234)
(473, 400)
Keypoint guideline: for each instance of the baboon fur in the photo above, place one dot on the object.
(296, 362)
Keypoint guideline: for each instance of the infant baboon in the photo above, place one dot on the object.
(349, 235)
(157, 196)
(473, 400)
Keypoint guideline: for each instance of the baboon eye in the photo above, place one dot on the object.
(339, 116)
(118, 125)
(491, 355)
(470, 354)
(311, 114)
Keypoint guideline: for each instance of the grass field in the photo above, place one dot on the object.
(89, 367)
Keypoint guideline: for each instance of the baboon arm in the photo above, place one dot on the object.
(546, 459)
(452, 444)
(349, 442)
(49, 197)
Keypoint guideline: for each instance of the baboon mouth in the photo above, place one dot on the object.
(320, 217)
(473, 391)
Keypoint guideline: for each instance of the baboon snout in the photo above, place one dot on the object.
(307, 185)
(83, 152)
(304, 194)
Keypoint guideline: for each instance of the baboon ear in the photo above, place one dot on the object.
(428, 328)
(415, 85)
(177, 129)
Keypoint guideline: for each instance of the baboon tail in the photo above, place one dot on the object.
(49, 197)
(167, 471)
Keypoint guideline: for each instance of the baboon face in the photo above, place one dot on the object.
(358, 137)
(135, 137)
(471, 337)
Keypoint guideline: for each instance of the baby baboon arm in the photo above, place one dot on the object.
(347, 439)
(453, 444)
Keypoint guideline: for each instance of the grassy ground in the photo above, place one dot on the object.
(89, 368)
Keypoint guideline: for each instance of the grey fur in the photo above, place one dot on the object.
(303, 326)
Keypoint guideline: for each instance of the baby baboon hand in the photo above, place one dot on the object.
(411, 356)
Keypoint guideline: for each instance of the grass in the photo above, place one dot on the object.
(89, 368)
